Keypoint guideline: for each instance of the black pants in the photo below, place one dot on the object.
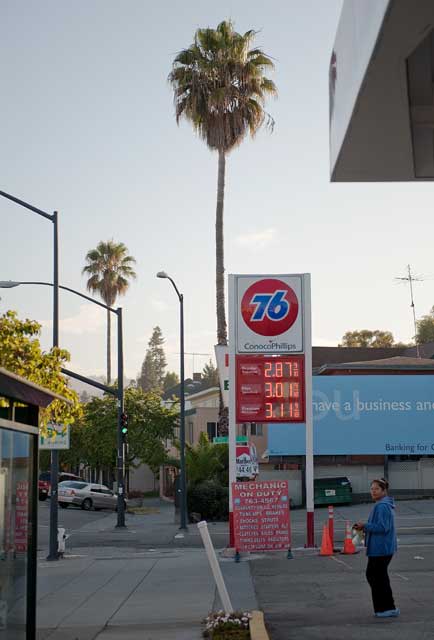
(378, 578)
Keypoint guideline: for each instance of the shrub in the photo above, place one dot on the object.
(210, 499)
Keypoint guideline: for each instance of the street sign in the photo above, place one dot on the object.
(270, 388)
(269, 315)
(56, 437)
(225, 439)
(261, 515)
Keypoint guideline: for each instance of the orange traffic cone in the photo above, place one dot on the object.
(326, 543)
(349, 547)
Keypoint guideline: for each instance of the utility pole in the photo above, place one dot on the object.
(410, 278)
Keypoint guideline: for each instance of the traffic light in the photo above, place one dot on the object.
(124, 425)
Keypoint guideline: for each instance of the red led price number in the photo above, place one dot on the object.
(270, 389)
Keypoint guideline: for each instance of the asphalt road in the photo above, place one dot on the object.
(313, 597)
(157, 528)
(71, 519)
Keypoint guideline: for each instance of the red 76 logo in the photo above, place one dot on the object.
(269, 307)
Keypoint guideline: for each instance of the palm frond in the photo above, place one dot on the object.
(214, 81)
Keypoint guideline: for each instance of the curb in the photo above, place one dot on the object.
(257, 626)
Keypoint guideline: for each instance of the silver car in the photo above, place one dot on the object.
(87, 495)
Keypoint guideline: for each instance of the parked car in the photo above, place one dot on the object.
(87, 495)
(44, 482)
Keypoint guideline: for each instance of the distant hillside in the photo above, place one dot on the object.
(86, 391)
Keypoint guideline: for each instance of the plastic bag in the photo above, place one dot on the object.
(358, 537)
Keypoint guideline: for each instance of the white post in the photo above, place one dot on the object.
(310, 531)
(215, 567)
(232, 435)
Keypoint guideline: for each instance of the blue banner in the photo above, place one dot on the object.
(371, 414)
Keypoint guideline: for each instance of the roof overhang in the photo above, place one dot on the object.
(381, 92)
(18, 388)
(328, 369)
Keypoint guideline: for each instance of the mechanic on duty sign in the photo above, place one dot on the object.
(261, 515)
(269, 317)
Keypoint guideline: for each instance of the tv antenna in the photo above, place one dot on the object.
(410, 278)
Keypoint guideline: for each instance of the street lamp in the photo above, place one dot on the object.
(163, 274)
(54, 463)
(10, 284)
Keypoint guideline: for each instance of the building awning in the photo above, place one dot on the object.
(18, 388)
(381, 92)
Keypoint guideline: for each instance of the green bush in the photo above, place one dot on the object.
(210, 499)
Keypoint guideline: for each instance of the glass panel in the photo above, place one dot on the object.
(16, 462)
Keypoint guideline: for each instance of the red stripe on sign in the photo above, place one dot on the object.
(226, 359)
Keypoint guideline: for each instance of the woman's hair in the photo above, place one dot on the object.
(382, 482)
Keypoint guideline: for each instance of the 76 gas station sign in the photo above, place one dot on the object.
(270, 363)
(270, 314)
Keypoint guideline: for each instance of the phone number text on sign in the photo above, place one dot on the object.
(261, 515)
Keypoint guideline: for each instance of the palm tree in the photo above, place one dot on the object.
(110, 268)
(220, 86)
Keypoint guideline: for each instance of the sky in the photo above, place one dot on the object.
(87, 128)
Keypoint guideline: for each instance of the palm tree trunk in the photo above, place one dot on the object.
(109, 332)
(222, 336)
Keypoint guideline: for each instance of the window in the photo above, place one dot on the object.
(244, 430)
(256, 429)
(190, 432)
(211, 429)
(73, 485)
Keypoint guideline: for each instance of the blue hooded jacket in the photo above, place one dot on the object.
(380, 535)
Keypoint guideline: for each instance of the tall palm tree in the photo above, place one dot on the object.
(220, 86)
(110, 268)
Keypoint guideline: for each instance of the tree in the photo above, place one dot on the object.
(152, 374)
(171, 379)
(210, 375)
(220, 86)
(367, 338)
(21, 353)
(110, 269)
(149, 425)
(206, 461)
(425, 328)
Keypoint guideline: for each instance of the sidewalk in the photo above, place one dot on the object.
(121, 595)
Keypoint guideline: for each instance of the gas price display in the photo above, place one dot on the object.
(270, 389)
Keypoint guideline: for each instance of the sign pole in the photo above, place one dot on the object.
(310, 530)
(232, 399)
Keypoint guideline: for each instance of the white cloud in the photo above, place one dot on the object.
(158, 305)
(89, 319)
(258, 240)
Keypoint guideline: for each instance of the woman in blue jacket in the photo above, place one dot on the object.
(381, 544)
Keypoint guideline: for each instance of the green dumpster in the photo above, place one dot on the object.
(335, 490)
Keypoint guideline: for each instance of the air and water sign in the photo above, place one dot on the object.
(269, 314)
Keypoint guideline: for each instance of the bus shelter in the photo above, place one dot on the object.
(20, 401)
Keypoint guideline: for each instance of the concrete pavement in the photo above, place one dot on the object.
(146, 581)
(154, 595)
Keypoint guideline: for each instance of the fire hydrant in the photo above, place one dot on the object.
(61, 539)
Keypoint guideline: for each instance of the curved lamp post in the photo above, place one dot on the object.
(54, 463)
(119, 393)
(163, 274)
